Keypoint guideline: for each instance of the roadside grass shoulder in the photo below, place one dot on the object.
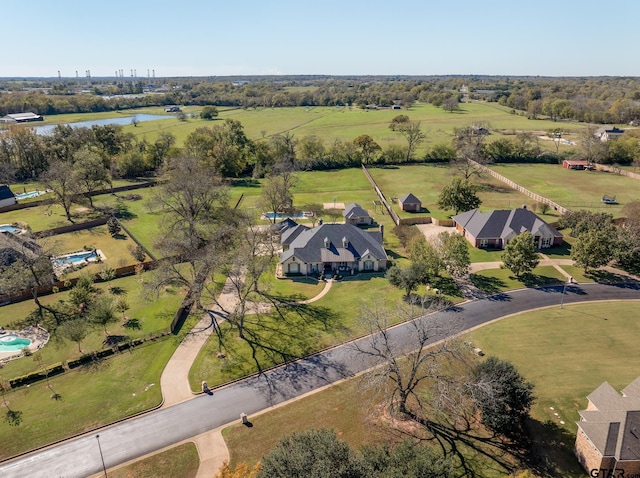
(493, 281)
(180, 461)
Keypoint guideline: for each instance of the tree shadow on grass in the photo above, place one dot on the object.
(535, 280)
(490, 285)
(606, 277)
(287, 333)
(550, 452)
(447, 286)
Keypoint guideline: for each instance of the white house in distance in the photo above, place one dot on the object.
(331, 248)
(21, 118)
(609, 134)
(7, 198)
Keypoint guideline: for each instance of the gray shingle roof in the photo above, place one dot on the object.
(501, 223)
(5, 192)
(614, 423)
(283, 225)
(309, 245)
(290, 234)
(409, 199)
(355, 210)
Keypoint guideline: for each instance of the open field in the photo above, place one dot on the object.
(345, 123)
(547, 346)
(427, 180)
(573, 189)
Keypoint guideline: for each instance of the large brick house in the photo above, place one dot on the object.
(608, 435)
(331, 248)
(496, 228)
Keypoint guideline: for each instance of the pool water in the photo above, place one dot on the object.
(13, 343)
(10, 228)
(277, 215)
(31, 194)
(75, 258)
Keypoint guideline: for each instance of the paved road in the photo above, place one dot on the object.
(130, 439)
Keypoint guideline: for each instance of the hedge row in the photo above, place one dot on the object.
(50, 371)
(83, 360)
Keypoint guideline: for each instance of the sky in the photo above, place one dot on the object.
(327, 37)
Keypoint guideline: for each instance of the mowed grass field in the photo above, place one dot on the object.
(566, 353)
(347, 123)
(427, 180)
(573, 189)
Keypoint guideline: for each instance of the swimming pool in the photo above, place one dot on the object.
(31, 194)
(13, 343)
(277, 215)
(75, 258)
(10, 228)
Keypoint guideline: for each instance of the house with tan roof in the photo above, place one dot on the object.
(608, 435)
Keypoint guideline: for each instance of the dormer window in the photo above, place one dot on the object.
(345, 242)
(327, 243)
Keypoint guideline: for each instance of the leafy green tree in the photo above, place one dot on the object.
(113, 226)
(90, 173)
(453, 250)
(423, 252)
(398, 121)
(519, 255)
(408, 278)
(60, 178)
(459, 195)
(407, 460)
(209, 113)
(75, 330)
(593, 248)
(413, 135)
(102, 312)
(311, 454)
(502, 394)
(368, 147)
(583, 221)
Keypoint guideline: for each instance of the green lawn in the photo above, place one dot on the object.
(91, 396)
(181, 461)
(573, 189)
(556, 350)
(345, 124)
(154, 317)
(426, 181)
(500, 280)
(291, 332)
(547, 346)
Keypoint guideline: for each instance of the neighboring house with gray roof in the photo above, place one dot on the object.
(331, 248)
(7, 198)
(496, 228)
(409, 202)
(609, 430)
(356, 214)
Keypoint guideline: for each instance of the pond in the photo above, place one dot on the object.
(120, 120)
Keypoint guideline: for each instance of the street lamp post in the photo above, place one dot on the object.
(564, 288)
(104, 468)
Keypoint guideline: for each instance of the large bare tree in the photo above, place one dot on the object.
(198, 227)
